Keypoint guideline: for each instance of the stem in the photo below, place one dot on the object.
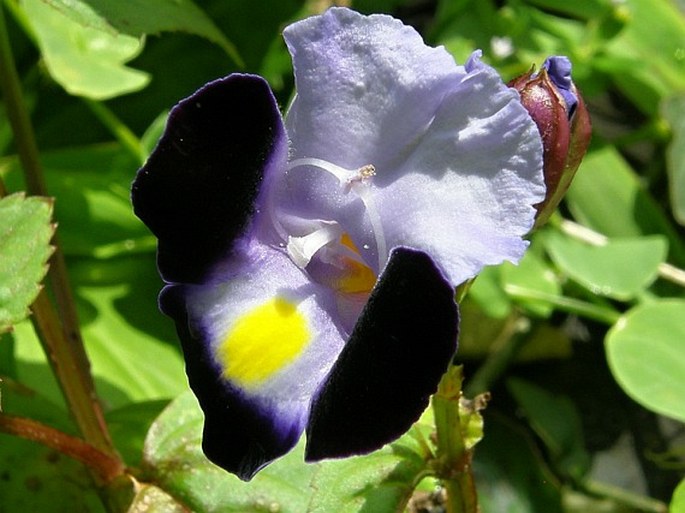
(454, 458)
(62, 342)
(106, 467)
(510, 341)
(583, 233)
(120, 131)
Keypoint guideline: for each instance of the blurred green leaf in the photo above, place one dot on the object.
(85, 61)
(140, 365)
(678, 501)
(620, 269)
(92, 184)
(654, 43)
(555, 420)
(140, 17)
(673, 109)
(129, 425)
(25, 233)
(607, 196)
(580, 8)
(511, 477)
(646, 354)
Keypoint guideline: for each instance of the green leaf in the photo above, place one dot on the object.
(673, 110)
(511, 476)
(646, 354)
(556, 421)
(380, 482)
(85, 61)
(25, 233)
(678, 501)
(607, 196)
(654, 40)
(533, 274)
(140, 17)
(92, 184)
(174, 460)
(620, 269)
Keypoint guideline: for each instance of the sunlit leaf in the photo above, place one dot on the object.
(678, 501)
(85, 61)
(25, 233)
(380, 482)
(140, 17)
(620, 269)
(646, 354)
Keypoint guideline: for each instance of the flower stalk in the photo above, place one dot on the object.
(454, 420)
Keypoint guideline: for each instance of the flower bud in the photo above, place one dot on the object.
(554, 103)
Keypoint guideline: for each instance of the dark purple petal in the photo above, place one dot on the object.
(197, 191)
(400, 347)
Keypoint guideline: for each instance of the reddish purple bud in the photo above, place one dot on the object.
(554, 103)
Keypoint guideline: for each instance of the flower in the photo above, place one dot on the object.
(559, 111)
(310, 264)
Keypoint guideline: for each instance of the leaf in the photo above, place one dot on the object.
(678, 501)
(607, 196)
(511, 477)
(174, 461)
(25, 233)
(85, 61)
(532, 273)
(557, 422)
(377, 483)
(646, 355)
(673, 110)
(380, 482)
(620, 269)
(94, 210)
(140, 17)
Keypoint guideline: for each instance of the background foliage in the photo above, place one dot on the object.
(582, 345)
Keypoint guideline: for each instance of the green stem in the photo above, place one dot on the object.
(454, 460)
(61, 340)
(508, 344)
(120, 131)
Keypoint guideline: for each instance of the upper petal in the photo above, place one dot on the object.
(258, 341)
(367, 86)
(199, 189)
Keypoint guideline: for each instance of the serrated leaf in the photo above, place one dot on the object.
(620, 269)
(85, 61)
(646, 354)
(140, 17)
(25, 233)
(380, 482)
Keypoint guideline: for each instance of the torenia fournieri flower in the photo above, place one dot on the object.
(310, 263)
(559, 111)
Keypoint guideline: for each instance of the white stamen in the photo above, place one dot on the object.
(358, 181)
(302, 249)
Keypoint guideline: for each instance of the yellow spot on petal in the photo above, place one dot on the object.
(263, 341)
